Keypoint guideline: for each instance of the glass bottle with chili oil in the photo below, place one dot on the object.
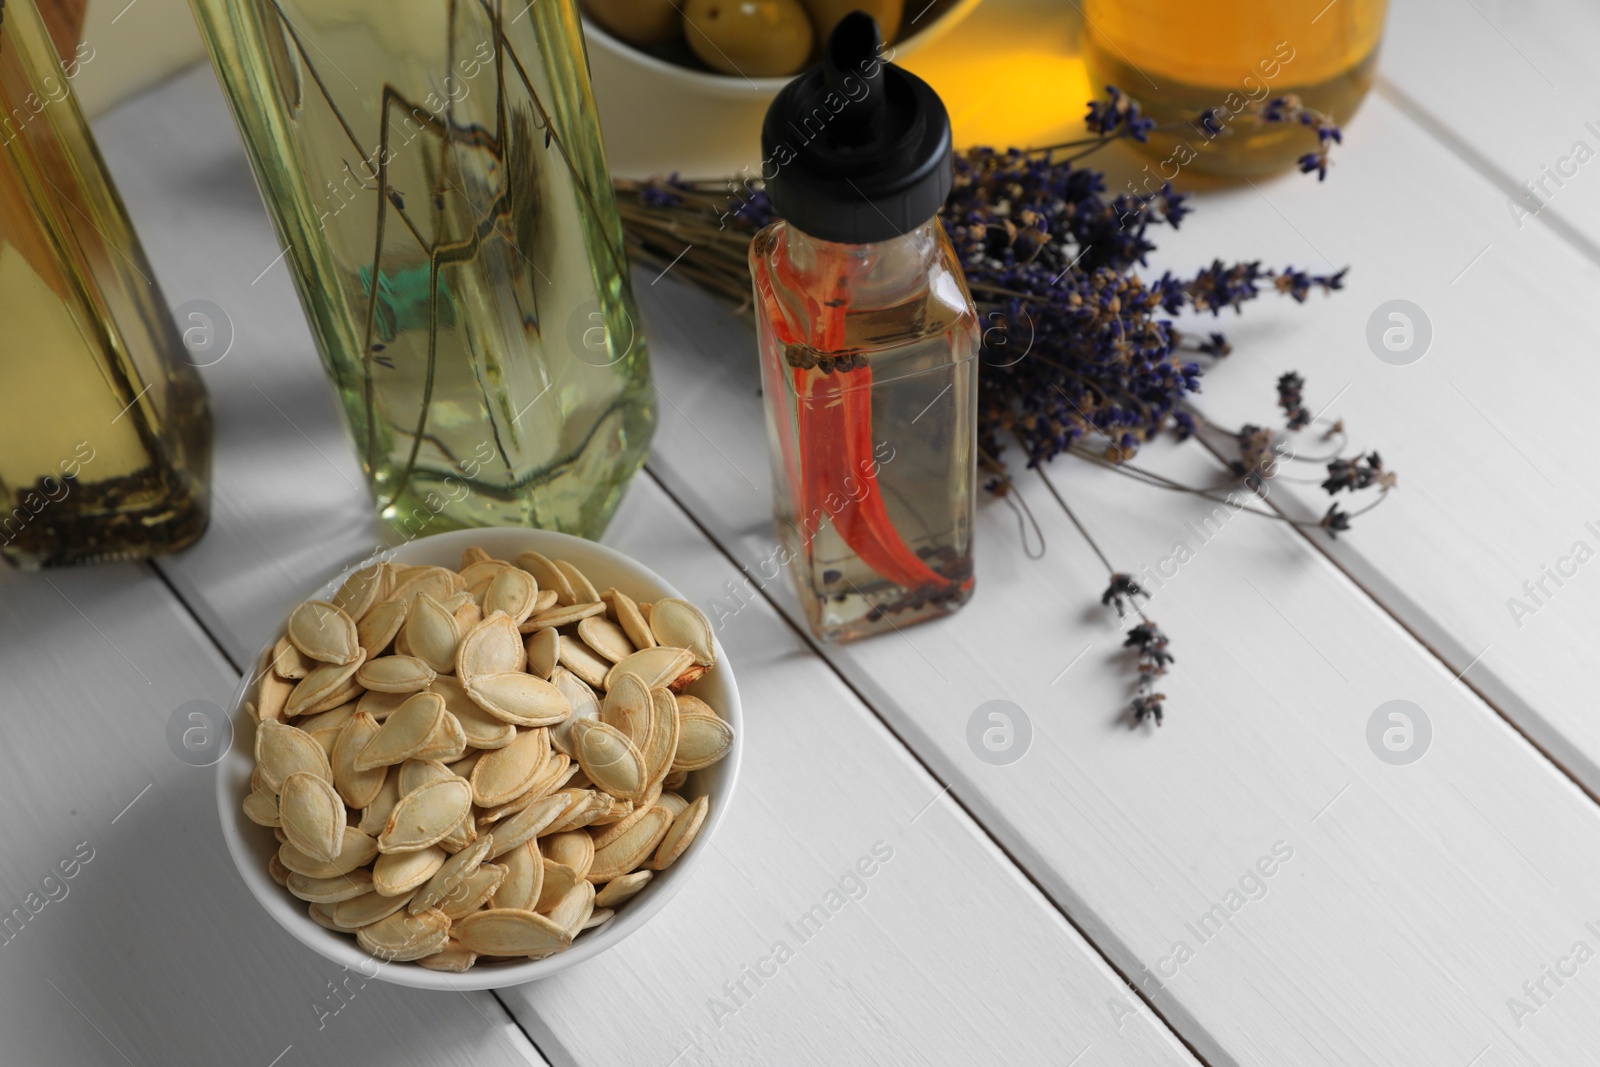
(868, 341)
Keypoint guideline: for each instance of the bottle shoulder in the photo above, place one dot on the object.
(864, 301)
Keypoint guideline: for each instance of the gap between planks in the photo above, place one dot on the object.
(154, 567)
(1294, 522)
(946, 788)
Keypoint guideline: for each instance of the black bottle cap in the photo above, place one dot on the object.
(856, 149)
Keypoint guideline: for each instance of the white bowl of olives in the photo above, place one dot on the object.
(750, 48)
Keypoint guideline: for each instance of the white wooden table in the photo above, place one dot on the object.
(1030, 913)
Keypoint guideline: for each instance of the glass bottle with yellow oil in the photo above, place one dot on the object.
(1180, 58)
(105, 430)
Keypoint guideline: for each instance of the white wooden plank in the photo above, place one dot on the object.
(152, 951)
(1514, 87)
(1490, 430)
(944, 955)
(891, 983)
(1418, 899)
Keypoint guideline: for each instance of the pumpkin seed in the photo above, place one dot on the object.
(379, 626)
(289, 662)
(611, 761)
(261, 808)
(679, 624)
(605, 638)
(467, 616)
(545, 601)
(574, 909)
(655, 666)
(404, 733)
(424, 816)
(323, 632)
(474, 891)
(621, 888)
(327, 720)
(702, 740)
(400, 872)
(492, 647)
(284, 750)
(431, 633)
(348, 694)
(673, 803)
(582, 589)
(567, 614)
(327, 680)
(505, 773)
(526, 824)
(451, 873)
(519, 698)
(449, 741)
(604, 837)
(322, 915)
(473, 554)
(588, 806)
(358, 850)
(524, 878)
(559, 880)
(632, 622)
(360, 591)
(375, 815)
(546, 781)
(463, 835)
(627, 707)
(272, 697)
(681, 834)
(356, 788)
(512, 591)
(379, 705)
(366, 909)
(416, 773)
(454, 958)
(548, 575)
(544, 651)
(312, 815)
(598, 917)
(330, 890)
(396, 674)
(510, 932)
(578, 658)
(438, 582)
(629, 850)
(482, 730)
(661, 747)
(402, 937)
(462, 768)
(585, 705)
(620, 809)
(574, 848)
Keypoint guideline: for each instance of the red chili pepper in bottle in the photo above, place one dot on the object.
(868, 342)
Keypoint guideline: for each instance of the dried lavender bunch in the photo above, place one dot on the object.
(1080, 354)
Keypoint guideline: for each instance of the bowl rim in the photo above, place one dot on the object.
(288, 911)
(744, 86)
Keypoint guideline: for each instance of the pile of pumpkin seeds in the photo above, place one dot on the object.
(482, 762)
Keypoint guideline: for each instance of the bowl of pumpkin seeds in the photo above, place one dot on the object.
(480, 759)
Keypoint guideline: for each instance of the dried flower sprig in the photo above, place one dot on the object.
(1080, 353)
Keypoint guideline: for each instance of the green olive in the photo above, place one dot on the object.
(636, 21)
(755, 38)
(825, 14)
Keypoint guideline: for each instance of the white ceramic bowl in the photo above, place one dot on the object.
(251, 845)
(659, 116)
(692, 81)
